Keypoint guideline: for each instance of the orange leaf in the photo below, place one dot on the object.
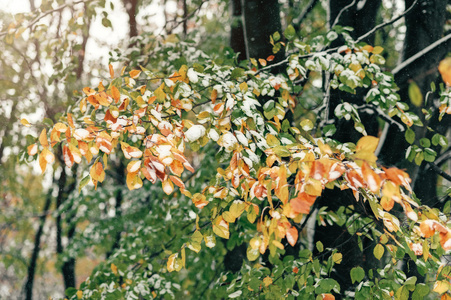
(70, 120)
(292, 236)
(115, 94)
(111, 71)
(199, 200)
(32, 149)
(302, 203)
(445, 70)
(262, 62)
(68, 157)
(177, 181)
(88, 91)
(133, 181)
(270, 58)
(372, 179)
(134, 73)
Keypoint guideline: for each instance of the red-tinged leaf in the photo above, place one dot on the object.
(168, 187)
(68, 157)
(150, 173)
(115, 94)
(43, 138)
(354, 179)
(372, 179)
(134, 73)
(111, 71)
(398, 176)
(292, 236)
(103, 142)
(32, 149)
(262, 62)
(445, 240)
(302, 203)
(219, 108)
(318, 170)
(177, 181)
(335, 172)
(270, 58)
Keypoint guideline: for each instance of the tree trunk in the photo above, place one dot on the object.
(37, 247)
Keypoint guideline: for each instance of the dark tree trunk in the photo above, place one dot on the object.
(254, 21)
(37, 247)
(362, 19)
(237, 31)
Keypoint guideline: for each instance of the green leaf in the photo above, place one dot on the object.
(329, 130)
(237, 73)
(429, 155)
(281, 151)
(84, 182)
(410, 136)
(290, 33)
(357, 274)
(421, 290)
(378, 251)
(276, 36)
(307, 125)
(425, 142)
(415, 95)
(319, 246)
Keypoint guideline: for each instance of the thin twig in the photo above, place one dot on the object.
(386, 23)
(341, 12)
(413, 58)
(37, 19)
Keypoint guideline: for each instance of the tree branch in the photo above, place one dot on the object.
(440, 171)
(341, 12)
(429, 48)
(386, 23)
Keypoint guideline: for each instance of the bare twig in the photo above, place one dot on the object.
(38, 18)
(341, 12)
(429, 48)
(386, 23)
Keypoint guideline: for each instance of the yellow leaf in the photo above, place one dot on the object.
(441, 286)
(365, 149)
(415, 95)
(378, 50)
(267, 281)
(244, 87)
(79, 294)
(221, 228)
(25, 123)
(43, 138)
(237, 208)
(97, 173)
(114, 269)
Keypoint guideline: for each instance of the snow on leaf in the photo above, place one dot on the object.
(195, 132)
